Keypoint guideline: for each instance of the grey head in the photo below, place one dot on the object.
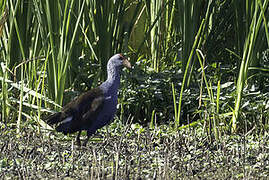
(117, 61)
(114, 65)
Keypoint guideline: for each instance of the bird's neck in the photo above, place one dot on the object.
(113, 75)
(112, 83)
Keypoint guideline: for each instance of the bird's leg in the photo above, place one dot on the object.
(87, 139)
(78, 138)
(107, 133)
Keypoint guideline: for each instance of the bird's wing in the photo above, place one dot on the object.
(88, 103)
(90, 116)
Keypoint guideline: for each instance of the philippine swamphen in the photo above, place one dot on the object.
(95, 108)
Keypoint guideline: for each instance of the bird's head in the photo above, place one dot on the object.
(118, 60)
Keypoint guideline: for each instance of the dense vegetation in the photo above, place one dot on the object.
(195, 102)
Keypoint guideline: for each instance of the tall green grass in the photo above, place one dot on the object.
(46, 45)
(192, 34)
(250, 49)
(43, 39)
(198, 36)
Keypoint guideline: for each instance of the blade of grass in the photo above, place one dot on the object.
(247, 55)
(197, 37)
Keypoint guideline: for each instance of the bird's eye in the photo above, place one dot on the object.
(121, 57)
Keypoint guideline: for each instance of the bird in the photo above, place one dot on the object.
(93, 109)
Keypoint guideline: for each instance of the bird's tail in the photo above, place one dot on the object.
(64, 128)
(67, 126)
(54, 118)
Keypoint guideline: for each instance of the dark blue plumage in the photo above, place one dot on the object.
(95, 108)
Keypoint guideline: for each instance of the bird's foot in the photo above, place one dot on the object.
(86, 141)
(78, 142)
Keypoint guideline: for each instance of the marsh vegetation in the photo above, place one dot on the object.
(195, 105)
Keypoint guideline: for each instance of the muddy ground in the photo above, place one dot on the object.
(133, 152)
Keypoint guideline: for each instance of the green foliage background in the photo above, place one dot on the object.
(194, 61)
(195, 105)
